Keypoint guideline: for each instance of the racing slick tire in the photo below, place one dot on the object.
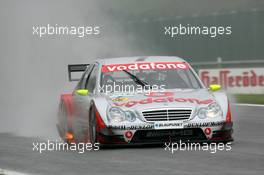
(92, 126)
(63, 127)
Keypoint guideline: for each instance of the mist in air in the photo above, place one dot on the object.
(33, 70)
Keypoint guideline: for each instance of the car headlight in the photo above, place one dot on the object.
(211, 111)
(116, 114)
(130, 116)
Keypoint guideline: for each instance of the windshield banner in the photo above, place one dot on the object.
(145, 66)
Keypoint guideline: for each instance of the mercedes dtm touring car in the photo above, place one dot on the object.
(138, 100)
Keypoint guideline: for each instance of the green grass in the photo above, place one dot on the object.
(250, 98)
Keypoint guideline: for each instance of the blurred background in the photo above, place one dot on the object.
(144, 22)
(33, 70)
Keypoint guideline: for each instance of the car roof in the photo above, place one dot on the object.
(124, 60)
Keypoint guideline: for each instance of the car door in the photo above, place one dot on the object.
(90, 84)
(81, 104)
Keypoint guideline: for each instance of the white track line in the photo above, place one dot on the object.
(250, 105)
(7, 172)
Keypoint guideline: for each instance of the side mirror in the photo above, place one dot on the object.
(82, 92)
(215, 87)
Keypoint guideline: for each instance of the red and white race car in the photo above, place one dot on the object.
(139, 100)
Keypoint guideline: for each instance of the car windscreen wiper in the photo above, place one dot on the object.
(137, 80)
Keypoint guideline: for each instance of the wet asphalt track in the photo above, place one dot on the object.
(246, 156)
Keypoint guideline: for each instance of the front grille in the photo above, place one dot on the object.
(167, 114)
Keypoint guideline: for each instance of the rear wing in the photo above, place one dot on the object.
(76, 68)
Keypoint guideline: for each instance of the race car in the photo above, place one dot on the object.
(142, 100)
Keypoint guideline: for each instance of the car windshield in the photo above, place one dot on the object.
(167, 79)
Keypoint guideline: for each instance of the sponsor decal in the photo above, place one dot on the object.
(172, 133)
(145, 66)
(130, 127)
(120, 99)
(159, 94)
(164, 100)
(172, 125)
(203, 124)
(235, 80)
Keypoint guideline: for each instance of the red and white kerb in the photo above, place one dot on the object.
(145, 66)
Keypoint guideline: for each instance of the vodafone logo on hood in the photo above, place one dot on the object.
(145, 66)
(170, 99)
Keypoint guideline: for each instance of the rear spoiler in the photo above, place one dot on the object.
(76, 68)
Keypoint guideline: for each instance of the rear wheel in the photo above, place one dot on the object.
(64, 129)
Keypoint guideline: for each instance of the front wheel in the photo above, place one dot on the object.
(92, 127)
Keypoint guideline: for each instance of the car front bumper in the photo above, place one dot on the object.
(220, 133)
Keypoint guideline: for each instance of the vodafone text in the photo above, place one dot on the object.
(145, 66)
(163, 100)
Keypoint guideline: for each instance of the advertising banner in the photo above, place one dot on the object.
(235, 80)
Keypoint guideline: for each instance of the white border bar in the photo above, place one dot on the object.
(7, 172)
(250, 105)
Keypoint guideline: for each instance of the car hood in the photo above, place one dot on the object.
(187, 98)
